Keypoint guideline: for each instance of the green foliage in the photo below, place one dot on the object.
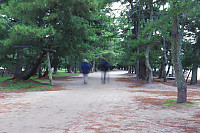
(81, 29)
(174, 102)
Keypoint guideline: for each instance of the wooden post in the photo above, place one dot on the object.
(49, 68)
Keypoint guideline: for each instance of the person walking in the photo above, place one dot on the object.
(85, 69)
(104, 66)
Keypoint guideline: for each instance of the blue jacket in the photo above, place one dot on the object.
(85, 68)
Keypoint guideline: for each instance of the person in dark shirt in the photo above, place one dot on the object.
(104, 66)
(85, 69)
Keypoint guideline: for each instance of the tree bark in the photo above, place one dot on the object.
(55, 70)
(148, 66)
(138, 48)
(93, 66)
(49, 69)
(40, 71)
(195, 65)
(18, 67)
(164, 61)
(142, 70)
(46, 72)
(160, 71)
(176, 51)
(35, 65)
(75, 65)
(147, 63)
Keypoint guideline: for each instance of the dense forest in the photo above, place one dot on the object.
(144, 36)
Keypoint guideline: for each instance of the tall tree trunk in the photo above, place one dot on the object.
(176, 51)
(49, 69)
(75, 65)
(69, 69)
(142, 70)
(34, 67)
(195, 65)
(46, 72)
(194, 74)
(160, 71)
(129, 69)
(18, 67)
(148, 66)
(40, 71)
(93, 66)
(147, 63)
(55, 64)
(164, 61)
(138, 48)
(55, 70)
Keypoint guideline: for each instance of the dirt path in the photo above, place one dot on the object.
(120, 106)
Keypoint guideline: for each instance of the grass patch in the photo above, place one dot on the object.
(64, 74)
(4, 78)
(38, 89)
(61, 73)
(174, 102)
(33, 84)
(15, 85)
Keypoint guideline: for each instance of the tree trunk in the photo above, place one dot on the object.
(35, 65)
(147, 63)
(46, 72)
(69, 69)
(148, 66)
(176, 51)
(18, 67)
(138, 48)
(195, 65)
(142, 71)
(49, 69)
(164, 61)
(40, 71)
(75, 65)
(160, 71)
(93, 66)
(55, 71)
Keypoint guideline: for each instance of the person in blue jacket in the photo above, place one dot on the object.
(85, 69)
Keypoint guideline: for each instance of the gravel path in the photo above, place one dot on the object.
(120, 106)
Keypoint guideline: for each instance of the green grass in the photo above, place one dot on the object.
(64, 74)
(61, 73)
(16, 85)
(38, 89)
(174, 102)
(4, 78)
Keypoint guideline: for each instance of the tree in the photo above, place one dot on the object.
(70, 23)
(176, 52)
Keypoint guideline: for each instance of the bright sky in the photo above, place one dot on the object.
(117, 8)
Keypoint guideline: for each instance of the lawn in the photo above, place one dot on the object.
(33, 84)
